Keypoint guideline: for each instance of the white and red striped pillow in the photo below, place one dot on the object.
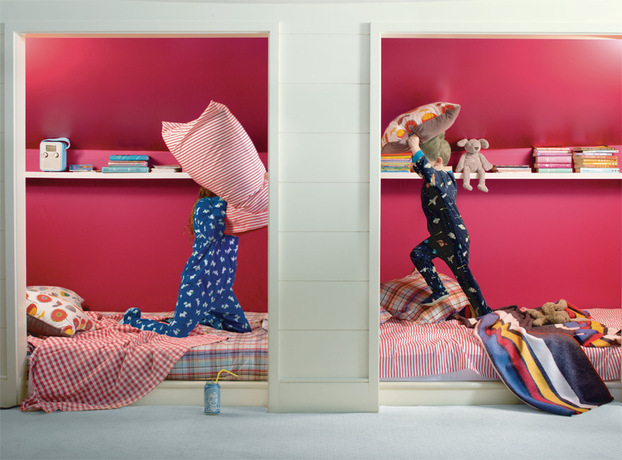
(218, 154)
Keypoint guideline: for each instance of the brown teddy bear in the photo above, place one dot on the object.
(550, 313)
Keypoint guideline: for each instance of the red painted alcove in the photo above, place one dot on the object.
(533, 241)
(122, 243)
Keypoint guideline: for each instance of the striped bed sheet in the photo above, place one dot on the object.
(450, 351)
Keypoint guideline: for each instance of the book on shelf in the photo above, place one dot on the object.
(128, 157)
(395, 169)
(540, 165)
(128, 163)
(551, 151)
(81, 168)
(554, 159)
(125, 169)
(588, 156)
(596, 170)
(594, 149)
(513, 168)
(166, 168)
(404, 155)
(597, 162)
(552, 170)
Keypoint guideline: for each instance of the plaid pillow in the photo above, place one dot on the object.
(402, 298)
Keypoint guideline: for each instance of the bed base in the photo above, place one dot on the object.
(456, 393)
(190, 393)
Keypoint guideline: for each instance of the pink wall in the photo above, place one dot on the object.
(514, 92)
(121, 243)
(113, 93)
(533, 241)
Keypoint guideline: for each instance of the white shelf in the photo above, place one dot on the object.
(101, 175)
(519, 175)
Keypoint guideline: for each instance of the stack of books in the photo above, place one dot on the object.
(395, 162)
(595, 159)
(127, 164)
(552, 159)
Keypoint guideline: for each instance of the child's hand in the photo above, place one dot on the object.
(413, 143)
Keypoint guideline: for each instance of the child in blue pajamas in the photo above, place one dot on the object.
(205, 292)
(449, 238)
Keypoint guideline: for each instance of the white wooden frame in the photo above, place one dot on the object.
(15, 171)
(442, 393)
(236, 393)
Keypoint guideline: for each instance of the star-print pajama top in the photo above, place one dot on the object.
(449, 238)
(206, 289)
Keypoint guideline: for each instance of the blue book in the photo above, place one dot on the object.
(81, 167)
(129, 157)
(125, 169)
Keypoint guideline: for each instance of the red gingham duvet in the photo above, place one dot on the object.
(102, 369)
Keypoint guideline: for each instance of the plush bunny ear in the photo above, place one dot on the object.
(462, 142)
(484, 143)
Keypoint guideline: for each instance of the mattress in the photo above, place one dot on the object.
(448, 351)
(246, 355)
(445, 351)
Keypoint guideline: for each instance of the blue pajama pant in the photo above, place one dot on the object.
(456, 256)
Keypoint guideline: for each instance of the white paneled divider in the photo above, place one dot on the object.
(324, 334)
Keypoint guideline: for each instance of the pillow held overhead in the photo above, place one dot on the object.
(426, 121)
(218, 154)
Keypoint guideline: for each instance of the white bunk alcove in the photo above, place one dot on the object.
(451, 392)
(170, 392)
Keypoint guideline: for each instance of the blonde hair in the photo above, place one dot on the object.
(203, 193)
(437, 147)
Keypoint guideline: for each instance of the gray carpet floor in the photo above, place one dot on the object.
(185, 432)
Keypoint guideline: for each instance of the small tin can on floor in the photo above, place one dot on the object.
(211, 398)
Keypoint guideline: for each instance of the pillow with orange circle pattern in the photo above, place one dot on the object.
(55, 311)
(426, 121)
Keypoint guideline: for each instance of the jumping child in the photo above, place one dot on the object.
(449, 238)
